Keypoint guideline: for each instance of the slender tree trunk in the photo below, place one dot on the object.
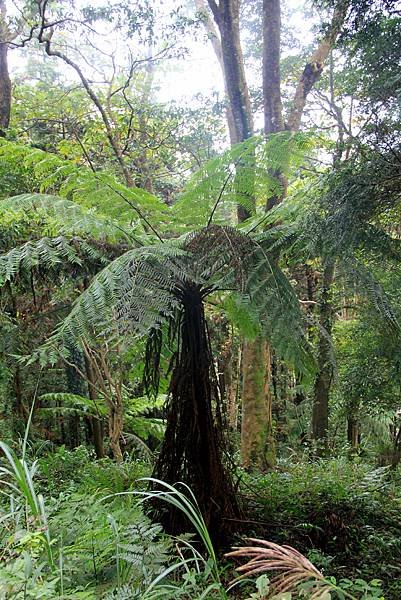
(116, 428)
(320, 414)
(226, 15)
(257, 438)
(216, 44)
(258, 448)
(254, 399)
(96, 424)
(353, 432)
(98, 437)
(273, 110)
(5, 82)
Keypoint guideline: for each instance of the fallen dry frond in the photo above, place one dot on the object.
(293, 567)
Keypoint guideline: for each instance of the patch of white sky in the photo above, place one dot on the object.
(198, 71)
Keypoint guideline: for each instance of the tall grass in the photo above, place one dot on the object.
(205, 564)
(18, 477)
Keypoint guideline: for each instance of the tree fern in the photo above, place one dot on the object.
(140, 290)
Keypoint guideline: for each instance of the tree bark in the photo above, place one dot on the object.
(257, 438)
(214, 38)
(314, 67)
(320, 414)
(5, 81)
(96, 424)
(353, 432)
(116, 428)
(226, 15)
(273, 110)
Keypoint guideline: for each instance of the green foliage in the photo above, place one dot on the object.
(345, 515)
(47, 254)
(101, 192)
(243, 175)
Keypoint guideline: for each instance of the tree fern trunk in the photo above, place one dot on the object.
(193, 443)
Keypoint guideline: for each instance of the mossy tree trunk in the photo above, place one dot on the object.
(320, 413)
(257, 436)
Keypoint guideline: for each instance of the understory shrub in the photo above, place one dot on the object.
(344, 515)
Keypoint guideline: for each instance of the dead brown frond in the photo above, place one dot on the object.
(292, 566)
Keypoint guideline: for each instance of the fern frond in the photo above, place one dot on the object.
(74, 403)
(243, 176)
(67, 217)
(132, 294)
(46, 254)
(358, 277)
(99, 191)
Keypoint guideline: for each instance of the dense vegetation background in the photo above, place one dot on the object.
(199, 299)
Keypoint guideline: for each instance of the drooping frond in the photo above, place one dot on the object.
(131, 294)
(225, 258)
(67, 217)
(64, 402)
(361, 280)
(47, 254)
(102, 191)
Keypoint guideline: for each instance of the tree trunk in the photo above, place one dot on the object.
(273, 109)
(194, 440)
(271, 67)
(258, 447)
(216, 44)
(97, 429)
(5, 82)
(227, 19)
(116, 428)
(353, 432)
(257, 439)
(320, 415)
(254, 444)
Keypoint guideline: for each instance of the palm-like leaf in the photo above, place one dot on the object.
(141, 289)
(47, 254)
(293, 568)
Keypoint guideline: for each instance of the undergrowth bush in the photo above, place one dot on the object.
(71, 470)
(344, 515)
